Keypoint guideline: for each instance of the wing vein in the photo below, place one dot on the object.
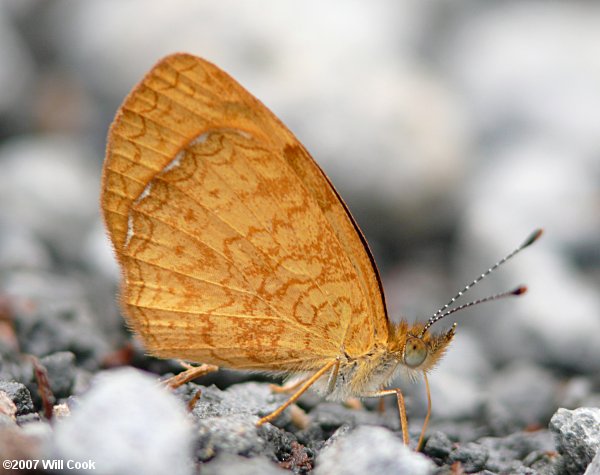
(305, 329)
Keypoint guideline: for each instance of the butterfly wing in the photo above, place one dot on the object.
(235, 248)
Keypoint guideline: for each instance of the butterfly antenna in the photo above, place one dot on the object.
(442, 312)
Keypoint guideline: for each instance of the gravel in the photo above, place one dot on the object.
(126, 408)
(19, 395)
(451, 129)
(369, 449)
(577, 437)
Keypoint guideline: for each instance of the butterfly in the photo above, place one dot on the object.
(237, 251)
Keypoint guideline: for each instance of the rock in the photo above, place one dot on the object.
(472, 456)
(455, 397)
(8, 409)
(236, 434)
(19, 395)
(50, 176)
(246, 398)
(524, 76)
(226, 421)
(331, 415)
(21, 249)
(575, 391)
(458, 431)
(520, 395)
(40, 430)
(126, 424)
(61, 319)
(312, 437)
(224, 464)
(594, 467)
(17, 73)
(6, 419)
(577, 436)
(441, 125)
(544, 462)
(29, 418)
(61, 372)
(340, 433)
(438, 446)
(12, 368)
(519, 450)
(369, 449)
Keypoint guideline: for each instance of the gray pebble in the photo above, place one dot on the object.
(340, 433)
(28, 418)
(458, 431)
(126, 424)
(49, 186)
(40, 430)
(544, 462)
(455, 397)
(6, 420)
(438, 446)
(370, 449)
(8, 410)
(311, 437)
(520, 395)
(575, 391)
(508, 454)
(61, 320)
(472, 456)
(246, 398)
(526, 75)
(20, 395)
(61, 372)
(235, 464)
(17, 74)
(594, 467)
(21, 249)
(226, 422)
(331, 415)
(577, 435)
(235, 434)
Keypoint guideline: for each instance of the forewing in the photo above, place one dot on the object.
(235, 248)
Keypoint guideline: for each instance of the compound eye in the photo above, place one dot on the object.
(415, 352)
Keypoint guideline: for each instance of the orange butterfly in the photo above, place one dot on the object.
(237, 251)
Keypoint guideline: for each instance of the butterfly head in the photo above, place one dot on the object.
(420, 350)
(416, 350)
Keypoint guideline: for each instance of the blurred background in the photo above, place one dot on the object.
(451, 129)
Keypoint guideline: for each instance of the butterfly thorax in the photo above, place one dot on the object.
(407, 351)
(358, 376)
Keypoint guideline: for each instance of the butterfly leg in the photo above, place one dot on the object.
(381, 406)
(298, 393)
(191, 372)
(287, 388)
(401, 408)
(422, 436)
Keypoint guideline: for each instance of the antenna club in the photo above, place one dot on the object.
(534, 236)
(520, 290)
